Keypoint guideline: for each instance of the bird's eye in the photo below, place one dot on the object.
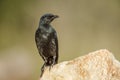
(49, 17)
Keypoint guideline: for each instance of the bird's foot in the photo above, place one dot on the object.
(51, 67)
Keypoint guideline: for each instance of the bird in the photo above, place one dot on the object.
(47, 41)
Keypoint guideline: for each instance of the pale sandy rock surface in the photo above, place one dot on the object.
(98, 65)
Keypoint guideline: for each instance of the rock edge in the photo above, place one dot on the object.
(98, 65)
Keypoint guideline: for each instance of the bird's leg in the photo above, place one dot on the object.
(53, 62)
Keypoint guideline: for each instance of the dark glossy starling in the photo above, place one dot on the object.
(46, 41)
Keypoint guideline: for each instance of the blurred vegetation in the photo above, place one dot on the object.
(83, 26)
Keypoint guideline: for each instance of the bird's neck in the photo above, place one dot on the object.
(44, 25)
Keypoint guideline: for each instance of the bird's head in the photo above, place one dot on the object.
(47, 18)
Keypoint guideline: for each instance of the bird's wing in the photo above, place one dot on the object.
(38, 40)
(54, 46)
(56, 42)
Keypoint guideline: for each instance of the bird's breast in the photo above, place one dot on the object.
(45, 32)
(45, 36)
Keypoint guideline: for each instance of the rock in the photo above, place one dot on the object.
(98, 65)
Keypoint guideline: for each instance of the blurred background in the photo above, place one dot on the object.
(84, 26)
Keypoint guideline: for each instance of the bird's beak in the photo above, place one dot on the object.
(56, 16)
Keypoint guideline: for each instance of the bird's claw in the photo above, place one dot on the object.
(51, 67)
